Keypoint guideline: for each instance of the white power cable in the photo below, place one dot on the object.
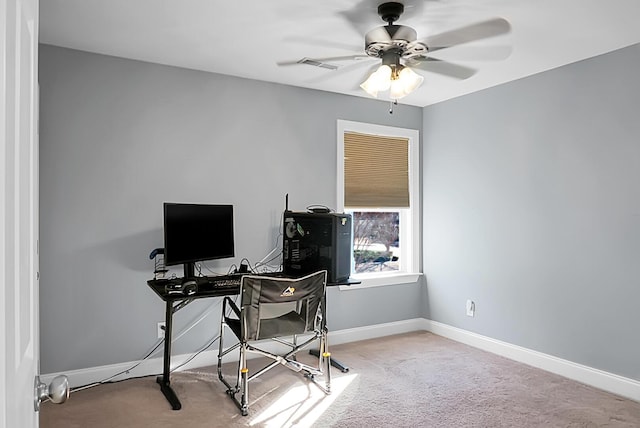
(156, 347)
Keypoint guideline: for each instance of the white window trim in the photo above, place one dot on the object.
(383, 280)
(411, 272)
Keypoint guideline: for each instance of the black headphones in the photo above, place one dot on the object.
(318, 209)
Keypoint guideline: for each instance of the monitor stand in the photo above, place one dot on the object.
(189, 285)
(189, 271)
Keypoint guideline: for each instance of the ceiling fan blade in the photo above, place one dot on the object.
(314, 41)
(363, 16)
(478, 31)
(340, 71)
(476, 53)
(320, 62)
(445, 68)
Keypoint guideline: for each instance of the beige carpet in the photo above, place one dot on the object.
(409, 380)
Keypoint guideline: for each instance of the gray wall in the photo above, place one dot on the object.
(532, 209)
(120, 137)
(531, 201)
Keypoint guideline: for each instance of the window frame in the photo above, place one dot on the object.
(409, 218)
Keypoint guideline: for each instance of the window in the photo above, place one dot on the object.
(378, 184)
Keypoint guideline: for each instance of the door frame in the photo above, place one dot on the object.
(19, 262)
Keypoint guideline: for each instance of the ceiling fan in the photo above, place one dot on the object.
(401, 52)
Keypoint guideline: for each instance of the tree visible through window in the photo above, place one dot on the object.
(376, 241)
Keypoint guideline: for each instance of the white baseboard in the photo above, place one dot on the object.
(597, 378)
(378, 330)
(152, 366)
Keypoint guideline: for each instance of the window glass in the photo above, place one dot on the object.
(376, 241)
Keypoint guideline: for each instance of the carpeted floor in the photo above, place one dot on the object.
(410, 380)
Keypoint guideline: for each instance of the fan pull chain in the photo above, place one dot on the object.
(391, 104)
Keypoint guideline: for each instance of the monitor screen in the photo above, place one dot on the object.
(196, 232)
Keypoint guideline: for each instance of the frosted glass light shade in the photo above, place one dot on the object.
(380, 80)
(407, 82)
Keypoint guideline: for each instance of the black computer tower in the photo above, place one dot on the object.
(317, 241)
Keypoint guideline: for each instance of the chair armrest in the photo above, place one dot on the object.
(232, 305)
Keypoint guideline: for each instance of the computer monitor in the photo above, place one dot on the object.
(197, 232)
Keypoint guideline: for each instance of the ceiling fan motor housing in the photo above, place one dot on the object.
(393, 37)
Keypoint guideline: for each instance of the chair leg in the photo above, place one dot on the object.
(220, 349)
(231, 389)
(239, 373)
(295, 344)
(244, 381)
(326, 356)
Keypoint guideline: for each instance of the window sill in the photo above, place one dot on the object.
(370, 281)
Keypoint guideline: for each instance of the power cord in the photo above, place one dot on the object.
(198, 352)
(153, 351)
(266, 263)
(108, 380)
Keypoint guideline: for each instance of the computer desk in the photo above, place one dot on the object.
(173, 303)
(176, 301)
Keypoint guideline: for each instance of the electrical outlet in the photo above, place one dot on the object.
(471, 308)
(161, 329)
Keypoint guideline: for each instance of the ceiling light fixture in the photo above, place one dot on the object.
(398, 79)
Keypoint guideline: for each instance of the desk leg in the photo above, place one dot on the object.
(164, 380)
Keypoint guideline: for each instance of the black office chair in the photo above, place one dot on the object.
(280, 309)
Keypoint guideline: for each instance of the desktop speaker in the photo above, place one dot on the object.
(317, 241)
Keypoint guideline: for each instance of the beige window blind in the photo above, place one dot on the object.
(376, 171)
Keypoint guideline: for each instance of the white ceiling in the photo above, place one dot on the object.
(247, 38)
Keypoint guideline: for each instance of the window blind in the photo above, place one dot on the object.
(376, 171)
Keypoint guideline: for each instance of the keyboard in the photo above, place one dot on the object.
(219, 282)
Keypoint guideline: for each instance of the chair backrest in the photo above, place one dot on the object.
(275, 306)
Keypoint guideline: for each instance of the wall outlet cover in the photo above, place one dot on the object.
(471, 308)
(161, 328)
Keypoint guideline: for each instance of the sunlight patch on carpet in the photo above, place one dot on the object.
(301, 405)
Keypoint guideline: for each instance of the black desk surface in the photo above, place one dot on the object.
(204, 289)
(159, 286)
